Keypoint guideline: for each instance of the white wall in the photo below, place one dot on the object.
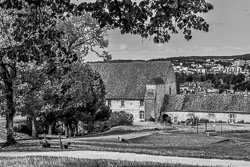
(225, 117)
(131, 106)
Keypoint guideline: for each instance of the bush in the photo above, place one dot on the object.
(203, 120)
(120, 118)
(21, 128)
(100, 126)
(151, 119)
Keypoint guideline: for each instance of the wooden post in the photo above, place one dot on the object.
(220, 129)
(197, 126)
(60, 140)
(45, 139)
(205, 126)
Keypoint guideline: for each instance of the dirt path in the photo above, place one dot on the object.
(132, 157)
(115, 137)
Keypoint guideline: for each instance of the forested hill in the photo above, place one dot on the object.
(242, 57)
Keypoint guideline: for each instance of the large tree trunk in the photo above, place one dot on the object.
(70, 130)
(10, 132)
(66, 130)
(76, 129)
(34, 129)
(10, 112)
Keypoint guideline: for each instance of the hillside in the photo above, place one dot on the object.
(242, 57)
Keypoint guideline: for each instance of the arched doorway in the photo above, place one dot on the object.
(166, 118)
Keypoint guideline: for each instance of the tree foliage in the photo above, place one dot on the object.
(81, 35)
(157, 18)
(216, 79)
(77, 95)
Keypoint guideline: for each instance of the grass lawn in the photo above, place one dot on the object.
(184, 144)
(170, 144)
(74, 162)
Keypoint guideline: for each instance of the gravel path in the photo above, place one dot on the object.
(115, 137)
(132, 157)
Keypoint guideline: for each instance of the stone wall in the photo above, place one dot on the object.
(214, 107)
(130, 106)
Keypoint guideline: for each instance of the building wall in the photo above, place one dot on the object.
(130, 106)
(150, 100)
(149, 109)
(214, 117)
(161, 91)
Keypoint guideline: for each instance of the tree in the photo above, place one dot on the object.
(29, 91)
(77, 96)
(29, 33)
(157, 18)
(81, 35)
(8, 66)
(240, 78)
(23, 40)
(86, 92)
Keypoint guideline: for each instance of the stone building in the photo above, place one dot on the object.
(137, 87)
(228, 108)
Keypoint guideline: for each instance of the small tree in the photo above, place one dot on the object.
(120, 118)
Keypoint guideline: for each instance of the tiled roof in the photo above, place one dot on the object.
(128, 80)
(207, 103)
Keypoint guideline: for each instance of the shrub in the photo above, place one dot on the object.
(120, 118)
(22, 128)
(151, 119)
(203, 120)
(100, 126)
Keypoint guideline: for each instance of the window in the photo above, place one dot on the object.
(232, 118)
(150, 93)
(141, 102)
(142, 115)
(211, 115)
(175, 119)
(109, 103)
(122, 103)
(170, 90)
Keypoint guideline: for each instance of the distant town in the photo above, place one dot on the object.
(213, 74)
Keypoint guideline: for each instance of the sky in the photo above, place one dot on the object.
(229, 34)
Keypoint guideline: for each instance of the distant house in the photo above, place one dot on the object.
(197, 88)
(137, 87)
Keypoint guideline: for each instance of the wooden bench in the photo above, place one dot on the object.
(45, 144)
(210, 133)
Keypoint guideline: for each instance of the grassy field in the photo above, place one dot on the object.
(169, 144)
(73, 162)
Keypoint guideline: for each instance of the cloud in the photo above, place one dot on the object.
(247, 12)
(217, 22)
(118, 47)
(210, 49)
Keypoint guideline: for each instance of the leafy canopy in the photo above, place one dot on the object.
(148, 18)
